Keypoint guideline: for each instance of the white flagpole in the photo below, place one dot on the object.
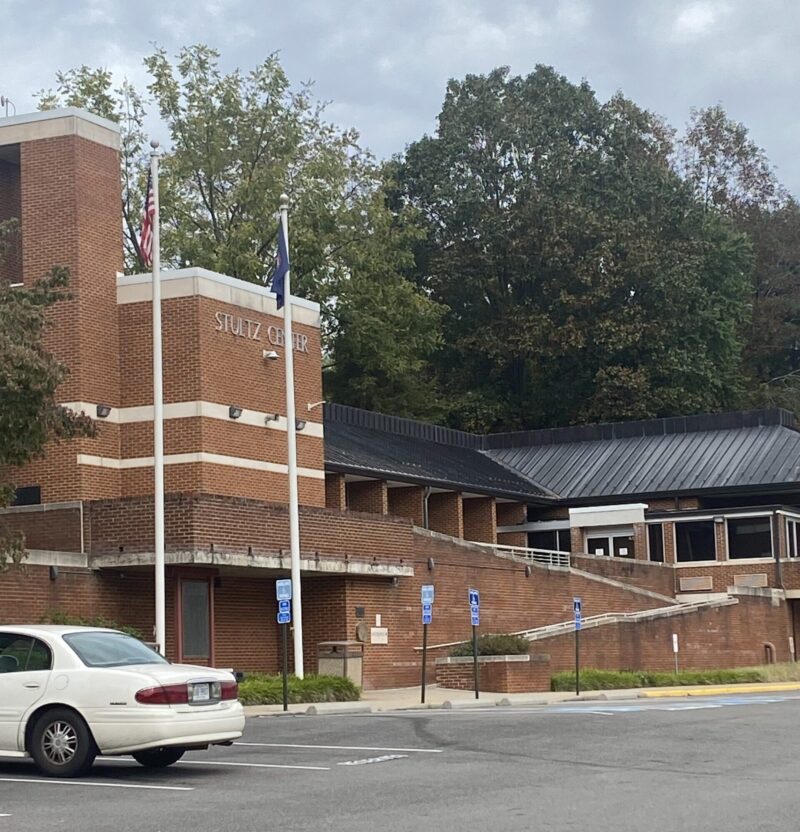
(158, 414)
(291, 434)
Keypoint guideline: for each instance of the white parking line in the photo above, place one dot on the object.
(101, 785)
(341, 747)
(249, 765)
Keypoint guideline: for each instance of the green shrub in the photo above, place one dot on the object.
(58, 617)
(497, 644)
(592, 679)
(261, 689)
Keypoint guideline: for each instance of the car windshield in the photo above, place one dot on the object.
(101, 649)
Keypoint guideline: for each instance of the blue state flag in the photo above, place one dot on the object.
(281, 266)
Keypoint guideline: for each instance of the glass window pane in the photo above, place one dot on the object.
(564, 540)
(597, 545)
(695, 541)
(542, 540)
(39, 657)
(196, 620)
(623, 546)
(750, 537)
(791, 538)
(655, 539)
(14, 651)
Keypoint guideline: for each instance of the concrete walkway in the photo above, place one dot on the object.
(401, 699)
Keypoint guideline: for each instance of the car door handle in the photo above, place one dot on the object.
(31, 685)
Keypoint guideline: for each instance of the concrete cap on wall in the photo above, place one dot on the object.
(67, 121)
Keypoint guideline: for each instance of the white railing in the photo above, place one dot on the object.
(547, 557)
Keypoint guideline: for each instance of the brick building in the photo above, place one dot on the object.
(697, 516)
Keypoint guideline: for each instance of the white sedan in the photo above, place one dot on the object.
(68, 694)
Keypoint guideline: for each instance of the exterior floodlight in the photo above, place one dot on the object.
(234, 412)
(271, 417)
(103, 410)
(299, 424)
(269, 355)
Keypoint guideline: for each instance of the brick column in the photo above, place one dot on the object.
(576, 540)
(480, 519)
(720, 547)
(408, 501)
(670, 555)
(640, 541)
(446, 513)
(369, 496)
(335, 492)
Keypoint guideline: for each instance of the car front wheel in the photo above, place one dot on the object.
(61, 745)
(158, 757)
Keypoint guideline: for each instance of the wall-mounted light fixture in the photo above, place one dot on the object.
(234, 412)
(53, 573)
(271, 417)
(269, 355)
(719, 519)
(431, 564)
(299, 424)
(103, 410)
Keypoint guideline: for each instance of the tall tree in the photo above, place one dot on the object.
(582, 279)
(236, 142)
(29, 377)
(730, 173)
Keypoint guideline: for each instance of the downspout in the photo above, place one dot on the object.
(83, 539)
(426, 493)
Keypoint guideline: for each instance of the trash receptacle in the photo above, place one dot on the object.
(341, 658)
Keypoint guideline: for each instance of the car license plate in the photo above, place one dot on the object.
(201, 692)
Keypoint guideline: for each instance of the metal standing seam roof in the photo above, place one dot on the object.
(356, 449)
(764, 455)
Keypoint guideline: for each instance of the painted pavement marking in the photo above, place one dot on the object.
(51, 782)
(342, 747)
(385, 758)
(224, 763)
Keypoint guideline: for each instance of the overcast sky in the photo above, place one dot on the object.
(384, 63)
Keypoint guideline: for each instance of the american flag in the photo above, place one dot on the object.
(146, 237)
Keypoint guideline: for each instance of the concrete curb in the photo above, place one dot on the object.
(719, 690)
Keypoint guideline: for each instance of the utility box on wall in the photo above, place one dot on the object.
(341, 658)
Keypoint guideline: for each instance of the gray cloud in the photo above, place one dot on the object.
(384, 64)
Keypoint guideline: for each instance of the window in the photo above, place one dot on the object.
(22, 653)
(655, 542)
(30, 495)
(110, 649)
(554, 540)
(750, 537)
(196, 619)
(617, 543)
(694, 541)
(792, 537)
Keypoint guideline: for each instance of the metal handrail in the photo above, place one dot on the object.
(548, 557)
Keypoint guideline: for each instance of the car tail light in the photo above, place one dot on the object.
(163, 695)
(230, 690)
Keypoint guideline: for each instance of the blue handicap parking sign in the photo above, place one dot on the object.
(578, 621)
(476, 618)
(576, 605)
(474, 598)
(284, 606)
(283, 589)
(284, 617)
(427, 618)
(427, 594)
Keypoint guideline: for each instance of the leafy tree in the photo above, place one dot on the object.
(583, 280)
(239, 140)
(29, 377)
(729, 172)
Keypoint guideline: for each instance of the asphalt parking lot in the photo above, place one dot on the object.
(723, 763)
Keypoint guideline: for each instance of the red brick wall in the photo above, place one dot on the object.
(446, 513)
(369, 496)
(480, 520)
(643, 574)
(335, 492)
(497, 676)
(407, 501)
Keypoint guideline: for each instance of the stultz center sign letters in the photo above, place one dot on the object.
(251, 329)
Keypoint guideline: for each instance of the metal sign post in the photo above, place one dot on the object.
(475, 613)
(283, 590)
(577, 608)
(427, 616)
(675, 650)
